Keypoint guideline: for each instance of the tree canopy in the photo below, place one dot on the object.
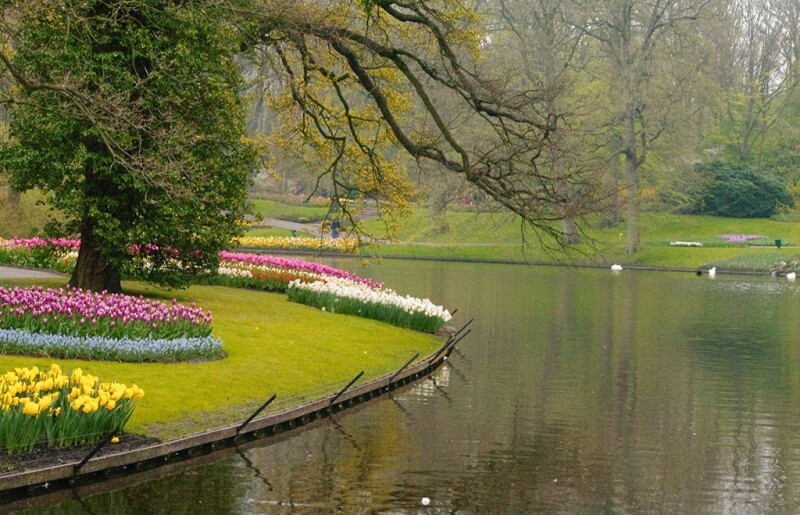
(129, 113)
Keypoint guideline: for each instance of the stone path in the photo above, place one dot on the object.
(7, 272)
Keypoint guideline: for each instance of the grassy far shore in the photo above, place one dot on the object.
(273, 346)
(498, 236)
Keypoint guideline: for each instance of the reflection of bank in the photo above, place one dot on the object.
(432, 387)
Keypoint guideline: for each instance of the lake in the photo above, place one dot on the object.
(578, 390)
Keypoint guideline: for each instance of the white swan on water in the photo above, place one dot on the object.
(616, 268)
(712, 272)
(791, 276)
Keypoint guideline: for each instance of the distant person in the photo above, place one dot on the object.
(335, 226)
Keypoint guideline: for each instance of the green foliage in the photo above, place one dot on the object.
(129, 114)
(736, 190)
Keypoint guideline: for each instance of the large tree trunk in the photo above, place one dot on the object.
(437, 208)
(569, 228)
(570, 235)
(632, 156)
(633, 240)
(612, 215)
(631, 184)
(92, 270)
(13, 199)
(747, 132)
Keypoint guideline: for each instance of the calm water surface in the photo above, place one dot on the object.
(577, 391)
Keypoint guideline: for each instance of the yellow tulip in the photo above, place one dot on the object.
(31, 408)
(78, 403)
(90, 406)
(134, 392)
(45, 402)
(117, 391)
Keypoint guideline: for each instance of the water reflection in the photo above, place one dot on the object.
(577, 391)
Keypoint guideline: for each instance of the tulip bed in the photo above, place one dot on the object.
(258, 278)
(343, 245)
(57, 254)
(305, 282)
(48, 407)
(352, 298)
(274, 273)
(330, 289)
(71, 323)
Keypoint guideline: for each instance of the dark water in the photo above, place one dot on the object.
(578, 391)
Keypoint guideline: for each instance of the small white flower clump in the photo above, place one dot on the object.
(364, 294)
(234, 272)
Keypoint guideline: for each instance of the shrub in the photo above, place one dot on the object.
(737, 190)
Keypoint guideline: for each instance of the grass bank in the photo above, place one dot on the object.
(273, 346)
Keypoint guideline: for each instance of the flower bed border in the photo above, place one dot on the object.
(23, 485)
(60, 346)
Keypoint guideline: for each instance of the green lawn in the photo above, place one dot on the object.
(273, 346)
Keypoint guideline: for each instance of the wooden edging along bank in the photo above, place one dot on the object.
(20, 484)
